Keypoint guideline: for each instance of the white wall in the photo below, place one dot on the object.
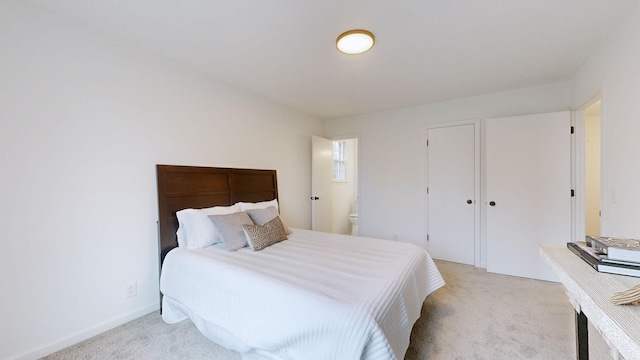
(614, 71)
(392, 154)
(83, 121)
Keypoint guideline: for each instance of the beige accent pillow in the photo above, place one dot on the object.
(262, 236)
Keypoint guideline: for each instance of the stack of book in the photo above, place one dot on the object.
(609, 255)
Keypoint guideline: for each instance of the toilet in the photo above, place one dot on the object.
(353, 219)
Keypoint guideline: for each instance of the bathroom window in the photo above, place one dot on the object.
(339, 168)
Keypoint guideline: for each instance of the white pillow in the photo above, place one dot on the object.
(196, 230)
(258, 205)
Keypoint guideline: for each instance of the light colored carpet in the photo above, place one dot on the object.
(477, 315)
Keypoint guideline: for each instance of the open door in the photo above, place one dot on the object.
(321, 177)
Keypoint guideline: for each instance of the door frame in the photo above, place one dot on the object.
(476, 182)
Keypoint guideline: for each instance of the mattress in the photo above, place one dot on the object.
(314, 296)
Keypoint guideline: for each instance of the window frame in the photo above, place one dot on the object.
(339, 161)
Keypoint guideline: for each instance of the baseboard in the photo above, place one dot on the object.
(61, 343)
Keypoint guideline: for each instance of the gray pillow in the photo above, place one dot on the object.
(230, 227)
(263, 216)
(261, 236)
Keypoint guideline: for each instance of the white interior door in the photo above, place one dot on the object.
(528, 191)
(451, 200)
(321, 178)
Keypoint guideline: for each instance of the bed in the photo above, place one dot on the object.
(312, 296)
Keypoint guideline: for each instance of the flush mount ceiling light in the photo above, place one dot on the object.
(354, 42)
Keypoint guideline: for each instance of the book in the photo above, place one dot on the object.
(616, 248)
(594, 260)
(619, 262)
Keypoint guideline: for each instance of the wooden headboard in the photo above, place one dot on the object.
(183, 187)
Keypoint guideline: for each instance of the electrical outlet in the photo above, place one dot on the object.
(132, 289)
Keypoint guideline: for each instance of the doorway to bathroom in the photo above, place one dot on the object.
(592, 169)
(334, 185)
(344, 187)
(587, 167)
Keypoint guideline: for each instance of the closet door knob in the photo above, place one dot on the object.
(315, 198)
(492, 203)
(469, 201)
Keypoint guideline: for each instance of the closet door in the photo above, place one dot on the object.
(451, 196)
(528, 191)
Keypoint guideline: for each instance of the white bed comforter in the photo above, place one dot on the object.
(314, 296)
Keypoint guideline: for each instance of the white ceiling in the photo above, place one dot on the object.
(426, 50)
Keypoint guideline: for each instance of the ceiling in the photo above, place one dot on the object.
(426, 50)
